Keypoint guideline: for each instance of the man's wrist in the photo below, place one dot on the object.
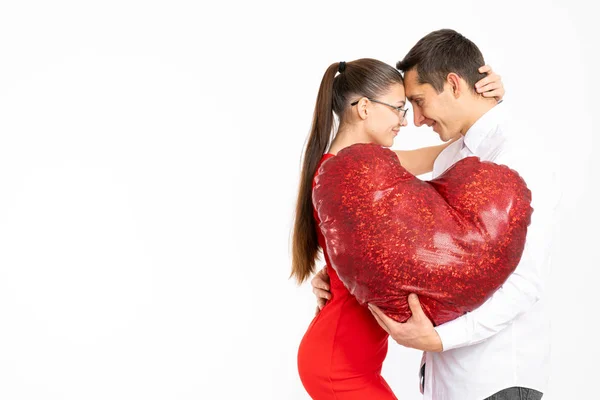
(436, 345)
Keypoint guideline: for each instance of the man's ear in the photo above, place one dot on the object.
(456, 84)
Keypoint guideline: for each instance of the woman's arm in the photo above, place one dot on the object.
(420, 161)
(491, 85)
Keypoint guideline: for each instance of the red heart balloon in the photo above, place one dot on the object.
(453, 240)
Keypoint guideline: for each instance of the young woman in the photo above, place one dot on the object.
(342, 352)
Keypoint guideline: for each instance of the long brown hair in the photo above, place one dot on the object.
(365, 77)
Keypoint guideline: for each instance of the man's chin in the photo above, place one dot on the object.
(442, 135)
(446, 137)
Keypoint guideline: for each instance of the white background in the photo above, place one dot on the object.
(149, 161)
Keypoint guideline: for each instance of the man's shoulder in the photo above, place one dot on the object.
(534, 162)
(510, 142)
(521, 147)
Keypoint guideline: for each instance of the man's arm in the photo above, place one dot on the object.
(523, 288)
(518, 294)
(320, 287)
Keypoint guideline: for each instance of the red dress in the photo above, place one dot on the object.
(342, 352)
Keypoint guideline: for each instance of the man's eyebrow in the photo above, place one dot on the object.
(412, 98)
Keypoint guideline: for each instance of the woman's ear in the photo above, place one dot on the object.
(363, 108)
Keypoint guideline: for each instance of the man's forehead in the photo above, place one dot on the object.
(411, 83)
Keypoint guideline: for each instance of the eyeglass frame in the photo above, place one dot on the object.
(398, 109)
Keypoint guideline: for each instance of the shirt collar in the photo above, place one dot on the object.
(485, 125)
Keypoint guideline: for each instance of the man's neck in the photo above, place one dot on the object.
(477, 108)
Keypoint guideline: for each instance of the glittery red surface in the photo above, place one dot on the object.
(453, 240)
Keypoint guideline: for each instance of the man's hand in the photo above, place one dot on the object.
(320, 285)
(417, 332)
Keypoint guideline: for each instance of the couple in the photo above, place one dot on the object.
(498, 351)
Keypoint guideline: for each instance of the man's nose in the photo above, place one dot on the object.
(418, 117)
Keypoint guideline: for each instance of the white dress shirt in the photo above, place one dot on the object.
(505, 342)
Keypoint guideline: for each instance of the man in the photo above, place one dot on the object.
(500, 350)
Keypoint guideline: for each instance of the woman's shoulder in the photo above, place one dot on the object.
(324, 158)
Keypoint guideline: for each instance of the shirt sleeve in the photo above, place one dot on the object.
(523, 288)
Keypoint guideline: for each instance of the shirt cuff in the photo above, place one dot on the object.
(454, 333)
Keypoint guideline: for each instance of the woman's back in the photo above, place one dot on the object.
(342, 352)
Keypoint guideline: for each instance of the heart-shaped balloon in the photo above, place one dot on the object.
(453, 240)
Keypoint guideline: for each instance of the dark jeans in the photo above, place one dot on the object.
(516, 393)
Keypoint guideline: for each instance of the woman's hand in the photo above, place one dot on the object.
(491, 85)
